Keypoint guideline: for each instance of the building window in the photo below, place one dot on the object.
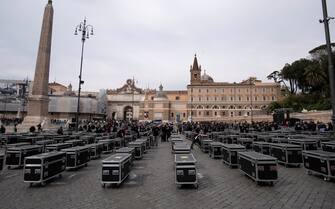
(273, 98)
(207, 98)
(192, 99)
(239, 98)
(215, 113)
(199, 90)
(239, 90)
(199, 113)
(264, 98)
(231, 99)
(207, 113)
(199, 98)
(248, 113)
(152, 98)
(239, 113)
(231, 114)
(215, 98)
(172, 115)
(222, 90)
(177, 97)
(184, 115)
(223, 113)
(192, 90)
(255, 98)
(247, 98)
(215, 90)
(207, 90)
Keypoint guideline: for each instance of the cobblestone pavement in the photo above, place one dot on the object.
(151, 185)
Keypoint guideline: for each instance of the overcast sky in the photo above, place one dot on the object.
(155, 40)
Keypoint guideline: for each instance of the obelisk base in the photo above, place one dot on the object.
(38, 107)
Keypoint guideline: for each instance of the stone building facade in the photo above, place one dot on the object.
(215, 101)
(204, 100)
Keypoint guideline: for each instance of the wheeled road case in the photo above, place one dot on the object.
(20, 144)
(77, 156)
(2, 160)
(75, 142)
(229, 153)
(259, 167)
(306, 144)
(40, 168)
(44, 143)
(96, 150)
(87, 139)
(115, 169)
(139, 149)
(328, 146)
(185, 168)
(215, 150)
(60, 139)
(320, 162)
(146, 143)
(175, 140)
(15, 155)
(288, 154)
(57, 147)
(127, 150)
(205, 144)
(117, 143)
(181, 148)
(107, 145)
(247, 142)
(261, 147)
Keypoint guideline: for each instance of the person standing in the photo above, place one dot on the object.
(155, 134)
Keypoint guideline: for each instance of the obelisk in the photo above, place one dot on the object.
(38, 100)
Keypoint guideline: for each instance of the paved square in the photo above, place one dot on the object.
(151, 185)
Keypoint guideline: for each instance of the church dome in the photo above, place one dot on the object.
(207, 78)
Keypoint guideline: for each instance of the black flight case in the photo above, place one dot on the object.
(305, 143)
(115, 169)
(247, 142)
(288, 154)
(215, 150)
(185, 169)
(44, 143)
(15, 155)
(205, 144)
(40, 168)
(229, 153)
(261, 147)
(259, 167)
(96, 150)
(77, 156)
(57, 147)
(328, 146)
(75, 142)
(175, 140)
(181, 148)
(2, 160)
(139, 149)
(320, 162)
(107, 145)
(127, 150)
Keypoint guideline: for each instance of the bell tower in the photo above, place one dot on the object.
(195, 71)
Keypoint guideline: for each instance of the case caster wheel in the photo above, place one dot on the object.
(31, 184)
(309, 173)
(8, 167)
(196, 186)
(43, 183)
(326, 179)
(271, 183)
(103, 185)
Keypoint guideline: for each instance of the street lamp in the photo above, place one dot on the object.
(86, 31)
(325, 21)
